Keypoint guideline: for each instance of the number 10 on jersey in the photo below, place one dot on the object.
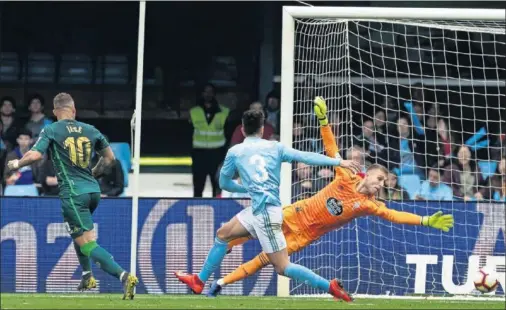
(79, 151)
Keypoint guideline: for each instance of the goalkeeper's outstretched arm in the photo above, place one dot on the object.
(437, 220)
(329, 140)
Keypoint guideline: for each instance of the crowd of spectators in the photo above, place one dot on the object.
(407, 137)
(410, 139)
(416, 140)
(17, 137)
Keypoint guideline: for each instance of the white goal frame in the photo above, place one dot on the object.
(290, 13)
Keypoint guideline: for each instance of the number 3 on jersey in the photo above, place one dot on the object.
(259, 163)
(79, 151)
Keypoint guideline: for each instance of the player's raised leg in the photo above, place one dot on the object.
(273, 243)
(237, 242)
(241, 272)
(228, 232)
(305, 275)
(293, 241)
(77, 215)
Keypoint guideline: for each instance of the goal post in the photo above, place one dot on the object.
(136, 126)
(286, 120)
(317, 49)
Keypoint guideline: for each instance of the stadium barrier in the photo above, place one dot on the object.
(176, 234)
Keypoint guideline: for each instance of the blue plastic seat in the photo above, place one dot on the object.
(41, 68)
(9, 68)
(112, 69)
(75, 69)
(411, 183)
(122, 152)
(21, 190)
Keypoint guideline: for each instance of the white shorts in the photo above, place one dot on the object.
(265, 226)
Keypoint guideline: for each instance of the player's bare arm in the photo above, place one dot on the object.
(105, 162)
(29, 158)
(438, 220)
(329, 141)
(374, 181)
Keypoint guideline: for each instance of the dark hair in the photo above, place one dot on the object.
(38, 97)
(397, 186)
(8, 98)
(378, 110)
(252, 121)
(472, 159)
(24, 132)
(367, 119)
(209, 84)
(213, 102)
(272, 94)
(436, 168)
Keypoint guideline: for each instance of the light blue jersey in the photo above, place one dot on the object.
(258, 162)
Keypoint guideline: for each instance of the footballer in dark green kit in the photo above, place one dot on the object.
(70, 145)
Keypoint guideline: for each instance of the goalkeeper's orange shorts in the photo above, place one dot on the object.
(296, 239)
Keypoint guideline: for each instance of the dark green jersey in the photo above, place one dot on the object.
(70, 145)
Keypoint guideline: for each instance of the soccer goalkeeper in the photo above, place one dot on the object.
(347, 197)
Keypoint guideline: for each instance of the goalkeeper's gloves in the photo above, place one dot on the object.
(320, 110)
(438, 221)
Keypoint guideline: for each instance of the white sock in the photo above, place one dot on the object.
(86, 272)
(221, 282)
(121, 276)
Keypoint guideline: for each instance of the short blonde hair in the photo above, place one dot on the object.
(378, 167)
(63, 100)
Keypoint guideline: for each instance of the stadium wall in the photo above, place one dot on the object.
(175, 234)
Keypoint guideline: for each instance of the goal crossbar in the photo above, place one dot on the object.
(394, 13)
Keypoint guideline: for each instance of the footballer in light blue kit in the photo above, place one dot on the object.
(258, 162)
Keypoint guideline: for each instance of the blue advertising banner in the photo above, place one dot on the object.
(371, 256)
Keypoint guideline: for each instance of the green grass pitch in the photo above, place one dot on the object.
(113, 301)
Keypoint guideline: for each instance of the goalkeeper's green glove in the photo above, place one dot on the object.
(438, 221)
(320, 110)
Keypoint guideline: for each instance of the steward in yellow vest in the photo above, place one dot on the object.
(208, 119)
(208, 126)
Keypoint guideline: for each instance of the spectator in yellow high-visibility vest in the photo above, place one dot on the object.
(208, 119)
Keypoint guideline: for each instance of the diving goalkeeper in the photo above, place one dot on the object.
(347, 197)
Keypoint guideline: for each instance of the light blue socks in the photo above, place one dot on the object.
(294, 271)
(214, 258)
(303, 274)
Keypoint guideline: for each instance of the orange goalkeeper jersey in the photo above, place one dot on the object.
(339, 202)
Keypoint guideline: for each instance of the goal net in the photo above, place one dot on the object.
(426, 99)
